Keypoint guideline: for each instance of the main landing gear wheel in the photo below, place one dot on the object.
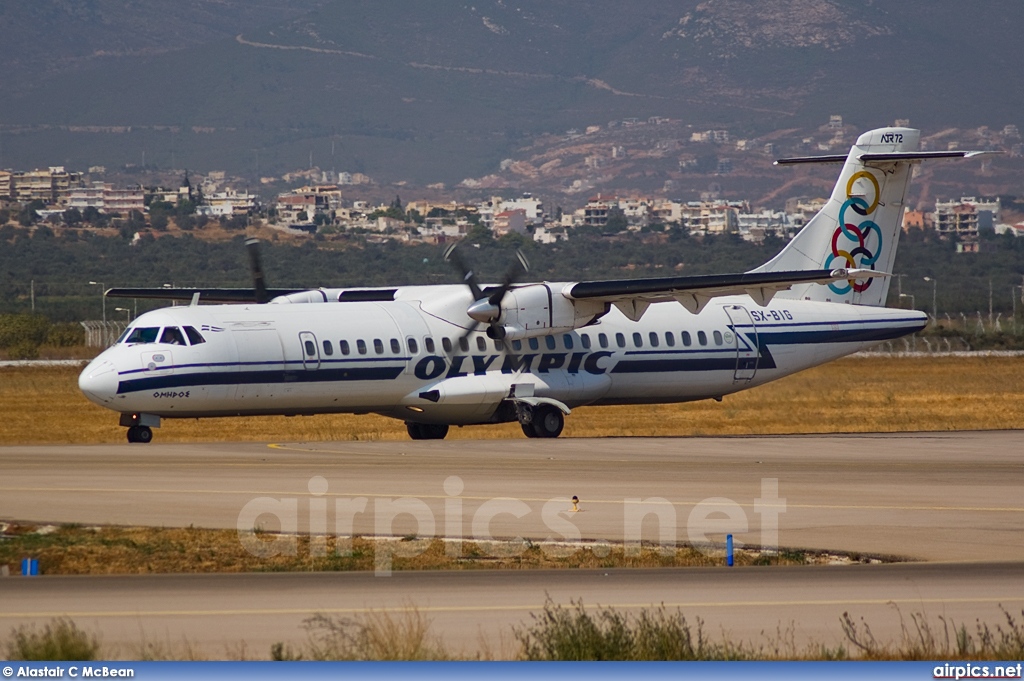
(426, 431)
(143, 434)
(547, 421)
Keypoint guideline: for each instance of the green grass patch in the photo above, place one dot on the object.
(78, 550)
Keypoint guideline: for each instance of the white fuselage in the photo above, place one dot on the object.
(402, 357)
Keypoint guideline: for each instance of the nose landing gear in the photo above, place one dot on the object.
(142, 434)
(140, 426)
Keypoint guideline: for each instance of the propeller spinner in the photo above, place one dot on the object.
(486, 309)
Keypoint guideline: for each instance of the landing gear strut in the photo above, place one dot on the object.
(543, 420)
(142, 434)
(426, 431)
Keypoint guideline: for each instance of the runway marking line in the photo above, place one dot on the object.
(299, 493)
(502, 608)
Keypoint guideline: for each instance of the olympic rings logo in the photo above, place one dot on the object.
(856, 235)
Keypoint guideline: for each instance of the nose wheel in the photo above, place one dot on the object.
(143, 434)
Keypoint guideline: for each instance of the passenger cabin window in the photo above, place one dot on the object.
(446, 343)
(194, 337)
(429, 342)
(345, 349)
(602, 340)
(499, 346)
(328, 348)
(549, 341)
(517, 345)
(172, 336)
(687, 341)
(567, 341)
(413, 347)
(718, 337)
(146, 334)
(396, 347)
(310, 348)
(654, 339)
(464, 344)
(670, 339)
(638, 340)
(620, 340)
(481, 344)
(361, 346)
(702, 338)
(534, 344)
(378, 346)
(585, 341)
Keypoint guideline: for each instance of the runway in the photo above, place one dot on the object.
(956, 498)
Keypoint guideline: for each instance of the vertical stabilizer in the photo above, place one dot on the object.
(859, 227)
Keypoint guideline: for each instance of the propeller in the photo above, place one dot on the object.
(486, 309)
(259, 284)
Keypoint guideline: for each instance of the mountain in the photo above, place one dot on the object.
(436, 92)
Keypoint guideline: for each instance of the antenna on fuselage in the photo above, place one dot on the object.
(259, 284)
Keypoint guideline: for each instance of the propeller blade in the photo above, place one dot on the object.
(512, 274)
(468, 278)
(259, 284)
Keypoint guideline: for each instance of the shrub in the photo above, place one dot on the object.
(60, 640)
(18, 329)
(560, 633)
(65, 335)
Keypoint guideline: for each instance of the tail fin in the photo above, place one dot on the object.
(859, 227)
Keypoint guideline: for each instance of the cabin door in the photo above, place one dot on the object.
(744, 334)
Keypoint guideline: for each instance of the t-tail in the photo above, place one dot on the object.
(859, 227)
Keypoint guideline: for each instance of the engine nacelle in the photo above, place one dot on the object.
(537, 310)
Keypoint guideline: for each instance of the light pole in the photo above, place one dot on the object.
(1013, 299)
(103, 298)
(127, 314)
(935, 307)
(913, 301)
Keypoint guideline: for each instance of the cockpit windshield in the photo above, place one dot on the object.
(143, 334)
(171, 335)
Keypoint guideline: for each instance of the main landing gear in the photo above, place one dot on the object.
(426, 431)
(544, 420)
(142, 434)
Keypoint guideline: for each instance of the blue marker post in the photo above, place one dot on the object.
(29, 567)
(728, 550)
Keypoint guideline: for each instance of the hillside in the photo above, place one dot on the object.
(441, 91)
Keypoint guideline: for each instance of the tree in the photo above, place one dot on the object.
(73, 217)
(616, 221)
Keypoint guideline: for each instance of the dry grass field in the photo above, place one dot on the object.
(43, 405)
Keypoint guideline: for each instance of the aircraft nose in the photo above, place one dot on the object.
(98, 382)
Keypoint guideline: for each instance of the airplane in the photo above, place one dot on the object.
(463, 354)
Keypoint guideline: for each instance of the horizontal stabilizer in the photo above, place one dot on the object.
(885, 157)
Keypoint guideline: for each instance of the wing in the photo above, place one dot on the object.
(633, 296)
(207, 295)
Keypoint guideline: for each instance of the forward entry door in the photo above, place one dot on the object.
(310, 351)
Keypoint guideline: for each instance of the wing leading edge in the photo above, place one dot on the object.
(207, 295)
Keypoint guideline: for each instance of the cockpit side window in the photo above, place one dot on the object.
(172, 336)
(143, 334)
(194, 337)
